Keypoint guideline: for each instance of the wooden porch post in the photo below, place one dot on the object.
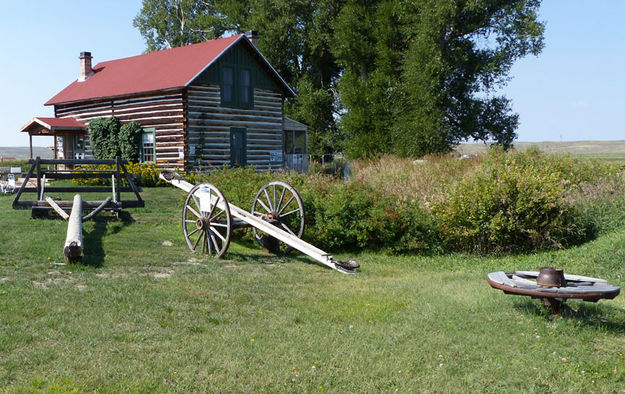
(31, 145)
(55, 148)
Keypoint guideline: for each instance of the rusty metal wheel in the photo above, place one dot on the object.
(206, 220)
(281, 205)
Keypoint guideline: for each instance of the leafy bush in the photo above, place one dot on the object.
(103, 137)
(514, 203)
(339, 215)
(109, 138)
(130, 141)
(353, 215)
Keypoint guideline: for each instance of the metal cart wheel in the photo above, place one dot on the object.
(281, 205)
(206, 220)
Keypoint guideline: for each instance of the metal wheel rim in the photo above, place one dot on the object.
(286, 199)
(214, 236)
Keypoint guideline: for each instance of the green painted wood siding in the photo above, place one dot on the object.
(241, 56)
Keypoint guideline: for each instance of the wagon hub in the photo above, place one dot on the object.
(202, 223)
(551, 277)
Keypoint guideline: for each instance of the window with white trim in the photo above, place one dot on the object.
(148, 146)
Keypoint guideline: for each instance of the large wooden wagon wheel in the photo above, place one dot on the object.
(281, 205)
(206, 220)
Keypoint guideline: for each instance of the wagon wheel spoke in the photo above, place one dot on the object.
(286, 205)
(213, 240)
(213, 207)
(208, 242)
(264, 206)
(281, 199)
(194, 212)
(194, 231)
(289, 213)
(217, 224)
(197, 204)
(198, 241)
(216, 215)
(270, 209)
(284, 226)
(219, 235)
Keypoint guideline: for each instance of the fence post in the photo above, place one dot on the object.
(117, 180)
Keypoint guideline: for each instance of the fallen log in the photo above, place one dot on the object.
(73, 241)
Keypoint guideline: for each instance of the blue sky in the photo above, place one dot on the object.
(574, 90)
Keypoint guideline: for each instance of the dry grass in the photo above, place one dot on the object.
(425, 181)
(430, 180)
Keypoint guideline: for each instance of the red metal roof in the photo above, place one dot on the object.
(166, 69)
(55, 123)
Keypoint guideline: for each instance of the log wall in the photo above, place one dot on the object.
(209, 127)
(163, 111)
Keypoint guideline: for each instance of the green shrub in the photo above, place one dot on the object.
(339, 215)
(514, 203)
(353, 215)
(130, 141)
(103, 137)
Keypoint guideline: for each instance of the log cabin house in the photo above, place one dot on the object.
(204, 105)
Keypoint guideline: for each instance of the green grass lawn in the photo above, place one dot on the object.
(141, 316)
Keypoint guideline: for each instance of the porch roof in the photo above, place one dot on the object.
(50, 126)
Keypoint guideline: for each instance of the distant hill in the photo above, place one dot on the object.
(23, 152)
(575, 147)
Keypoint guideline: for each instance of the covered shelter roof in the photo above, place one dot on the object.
(49, 126)
(290, 124)
(160, 70)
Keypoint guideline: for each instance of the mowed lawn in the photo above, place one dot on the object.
(142, 316)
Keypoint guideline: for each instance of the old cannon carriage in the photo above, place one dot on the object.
(277, 219)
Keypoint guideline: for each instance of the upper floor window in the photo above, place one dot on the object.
(245, 87)
(227, 85)
(236, 86)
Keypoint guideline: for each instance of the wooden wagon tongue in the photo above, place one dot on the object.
(551, 277)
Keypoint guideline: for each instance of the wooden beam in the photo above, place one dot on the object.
(73, 242)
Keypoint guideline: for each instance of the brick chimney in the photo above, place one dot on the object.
(85, 66)
(253, 36)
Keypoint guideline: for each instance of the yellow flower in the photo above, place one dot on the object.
(252, 340)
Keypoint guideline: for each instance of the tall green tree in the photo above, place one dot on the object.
(425, 79)
(173, 23)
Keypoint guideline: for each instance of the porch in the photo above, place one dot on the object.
(68, 134)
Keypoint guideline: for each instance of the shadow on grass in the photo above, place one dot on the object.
(93, 250)
(598, 316)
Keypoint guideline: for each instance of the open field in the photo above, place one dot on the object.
(142, 316)
(609, 150)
